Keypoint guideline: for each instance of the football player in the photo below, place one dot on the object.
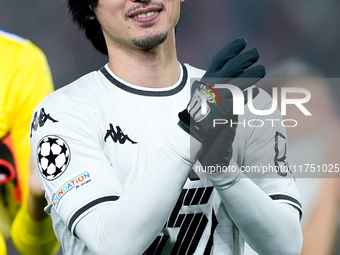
(25, 80)
(115, 149)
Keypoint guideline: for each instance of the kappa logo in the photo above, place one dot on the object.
(40, 120)
(117, 135)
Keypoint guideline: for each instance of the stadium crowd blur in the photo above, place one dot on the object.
(279, 29)
(305, 29)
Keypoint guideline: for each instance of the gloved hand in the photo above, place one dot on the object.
(219, 151)
(229, 66)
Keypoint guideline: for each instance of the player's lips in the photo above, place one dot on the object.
(145, 15)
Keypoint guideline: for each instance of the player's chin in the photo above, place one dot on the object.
(150, 40)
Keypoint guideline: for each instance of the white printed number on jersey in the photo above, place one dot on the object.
(53, 157)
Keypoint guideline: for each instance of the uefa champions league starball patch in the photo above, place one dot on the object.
(53, 157)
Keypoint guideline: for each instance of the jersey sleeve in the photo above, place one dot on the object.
(3, 249)
(30, 83)
(68, 154)
(42, 240)
(265, 156)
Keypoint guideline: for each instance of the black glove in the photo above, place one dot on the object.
(220, 149)
(229, 66)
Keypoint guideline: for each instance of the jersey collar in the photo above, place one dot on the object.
(139, 91)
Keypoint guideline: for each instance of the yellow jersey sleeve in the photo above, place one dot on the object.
(33, 237)
(25, 80)
(3, 249)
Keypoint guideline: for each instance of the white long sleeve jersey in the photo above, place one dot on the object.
(93, 139)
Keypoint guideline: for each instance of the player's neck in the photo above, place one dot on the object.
(156, 68)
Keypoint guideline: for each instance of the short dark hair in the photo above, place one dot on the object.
(81, 13)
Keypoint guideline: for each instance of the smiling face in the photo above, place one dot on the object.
(137, 24)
